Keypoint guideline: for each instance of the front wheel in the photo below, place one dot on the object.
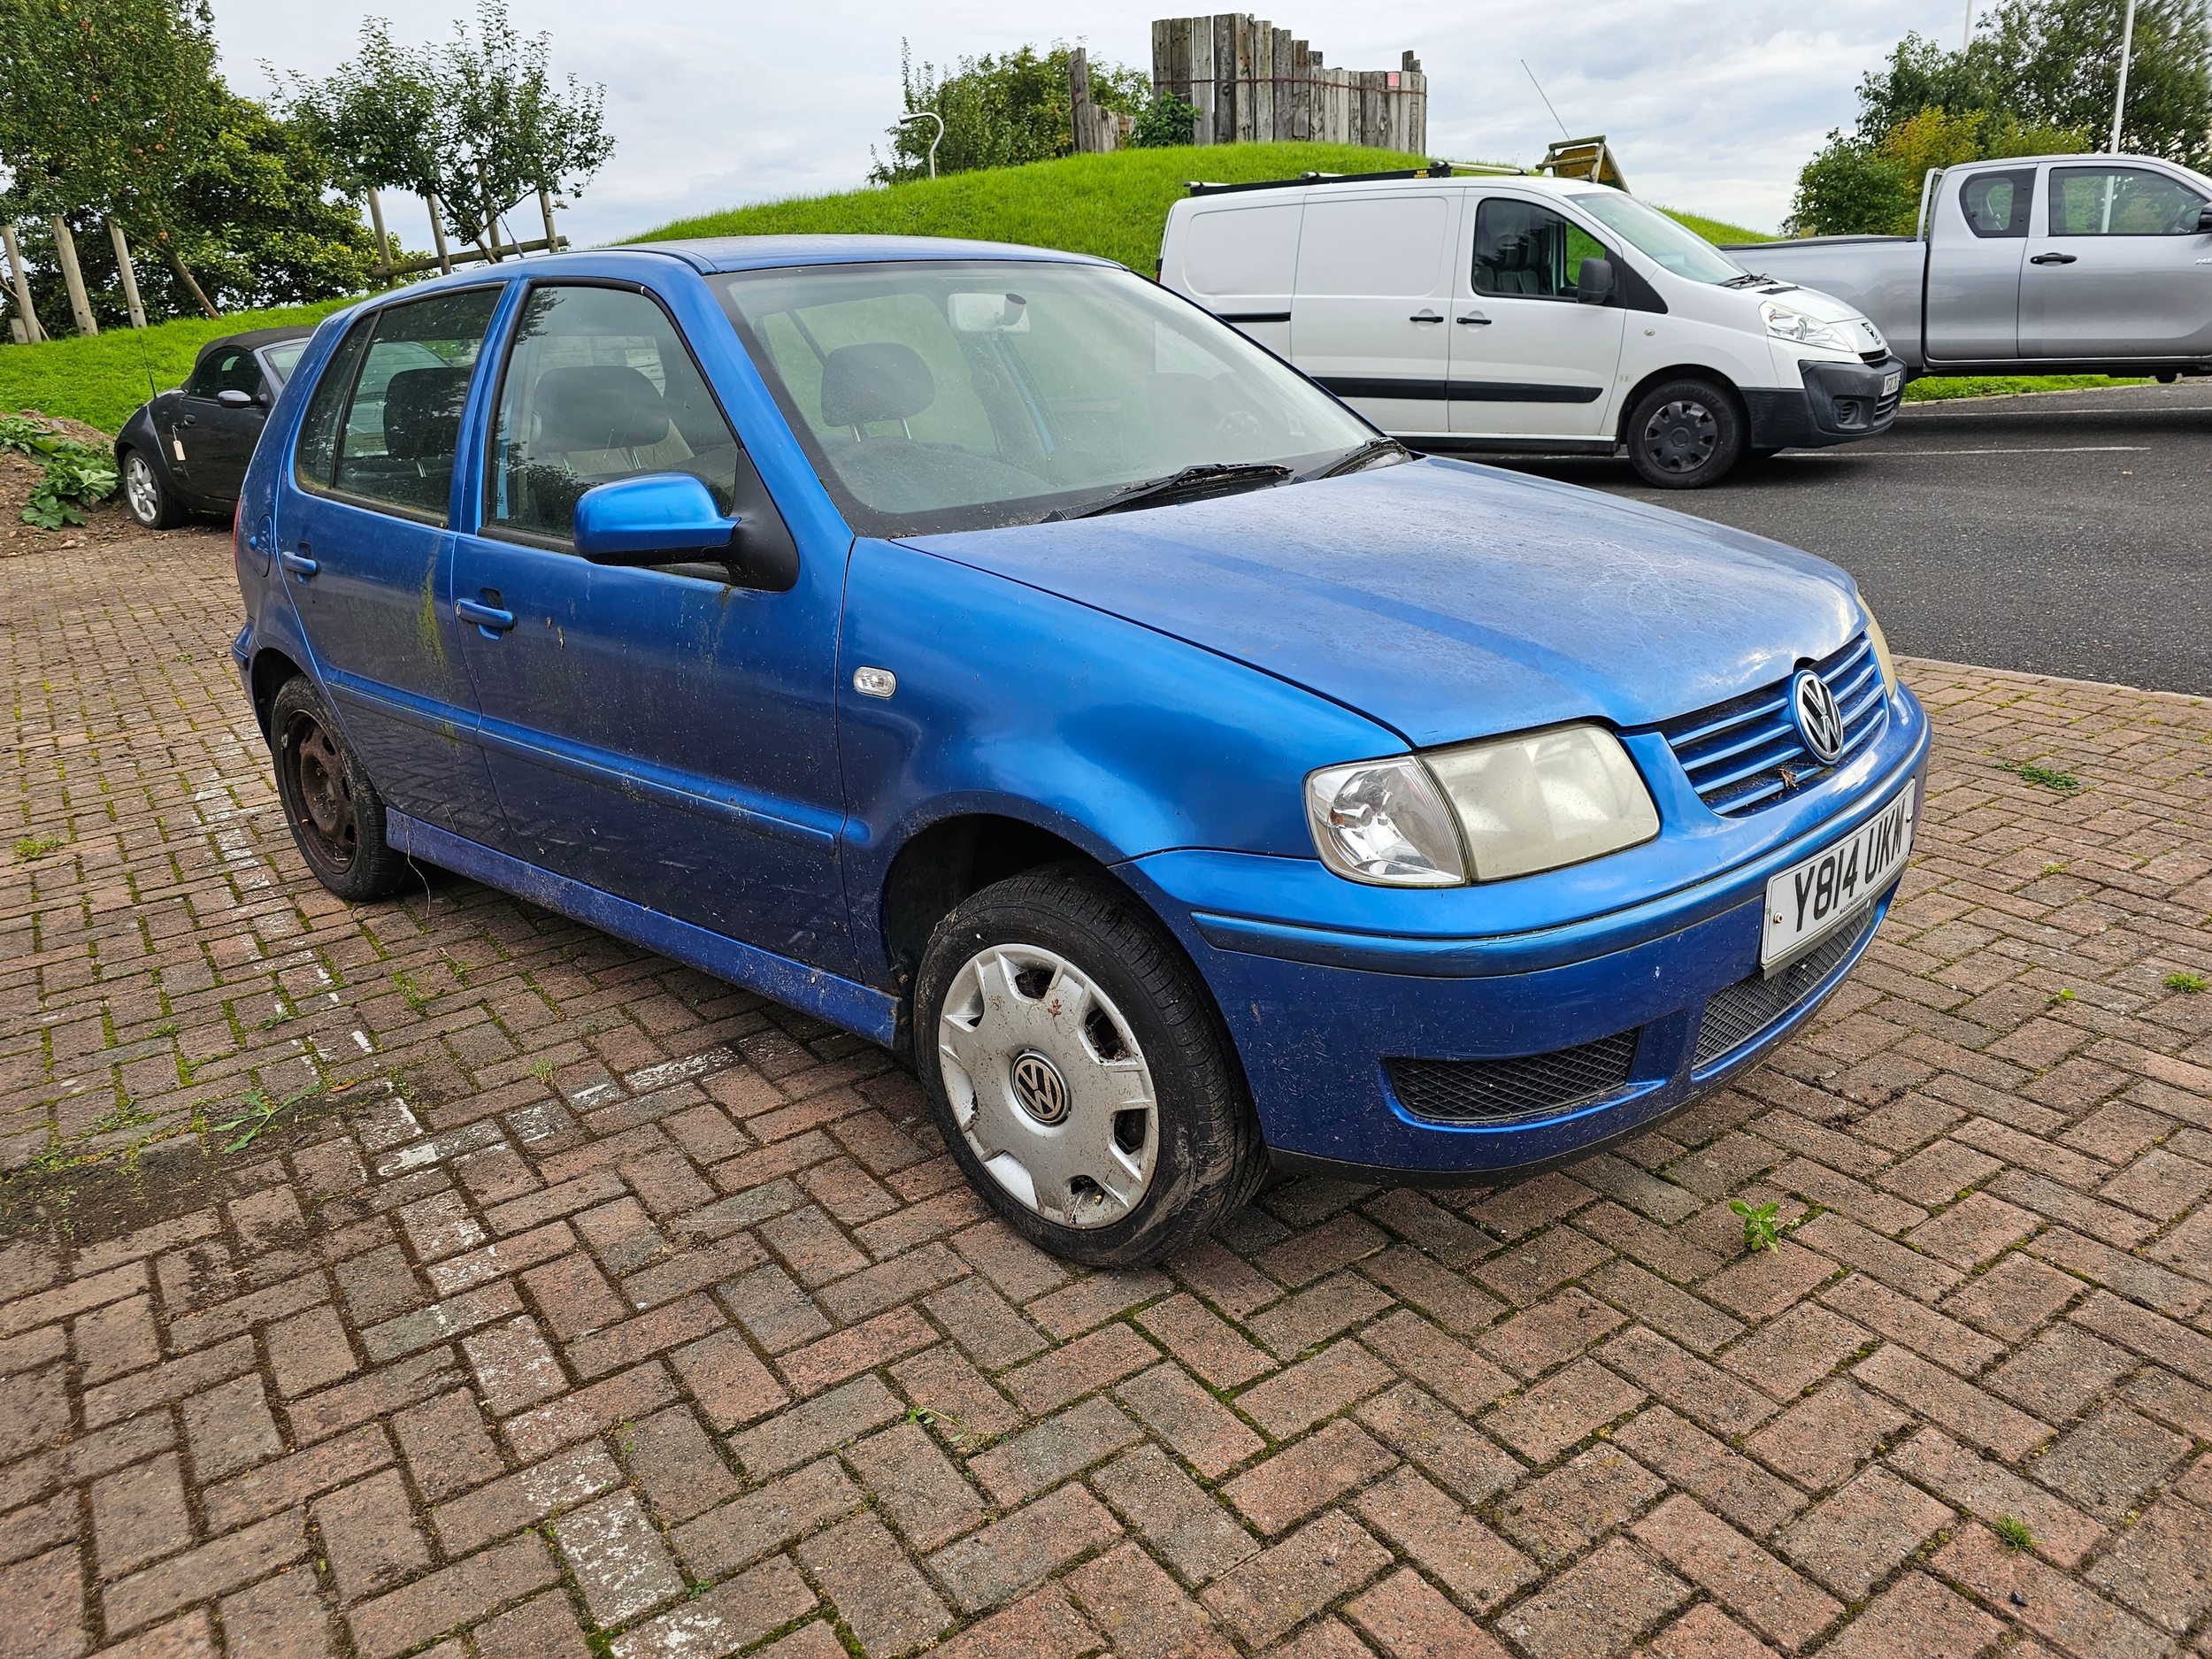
(1079, 1072)
(1685, 434)
(145, 497)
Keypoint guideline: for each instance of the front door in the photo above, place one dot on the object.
(2122, 270)
(209, 442)
(1978, 240)
(1529, 360)
(1370, 319)
(368, 558)
(666, 735)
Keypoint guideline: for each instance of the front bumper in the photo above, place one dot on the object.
(1839, 402)
(1319, 1015)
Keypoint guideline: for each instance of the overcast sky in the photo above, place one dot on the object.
(1711, 108)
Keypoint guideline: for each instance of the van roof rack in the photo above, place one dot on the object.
(1434, 170)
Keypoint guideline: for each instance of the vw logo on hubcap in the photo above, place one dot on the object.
(1819, 721)
(1041, 1090)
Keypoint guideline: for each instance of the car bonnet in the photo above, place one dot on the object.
(1449, 601)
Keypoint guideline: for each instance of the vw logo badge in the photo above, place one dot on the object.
(1819, 722)
(1042, 1091)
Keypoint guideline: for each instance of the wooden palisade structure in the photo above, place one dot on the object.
(1251, 81)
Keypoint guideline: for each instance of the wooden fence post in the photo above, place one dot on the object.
(545, 208)
(20, 280)
(128, 272)
(383, 243)
(1084, 130)
(1201, 79)
(437, 234)
(72, 279)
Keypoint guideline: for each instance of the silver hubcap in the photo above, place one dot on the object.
(1048, 1085)
(144, 494)
(1681, 436)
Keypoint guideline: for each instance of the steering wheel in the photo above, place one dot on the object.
(1237, 423)
(2185, 221)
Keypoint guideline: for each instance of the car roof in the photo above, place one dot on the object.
(755, 253)
(254, 339)
(1322, 188)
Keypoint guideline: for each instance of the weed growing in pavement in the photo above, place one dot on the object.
(1761, 1231)
(30, 846)
(2063, 996)
(955, 1429)
(2190, 982)
(259, 1114)
(417, 1001)
(542, 1070)
(2028, 772)
(2014, 1531)
(167, 1028)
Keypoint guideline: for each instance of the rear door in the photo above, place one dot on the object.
(1527, 358)
(2120, 269)
(1239, 260)
(1371, 317)
(1979, 239)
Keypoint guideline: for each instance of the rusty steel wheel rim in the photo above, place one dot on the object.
(324, 789)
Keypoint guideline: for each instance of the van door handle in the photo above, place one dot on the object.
(298, 563)
(490, 618)
(1476, 319)
(2054, 259)
(1424, 316)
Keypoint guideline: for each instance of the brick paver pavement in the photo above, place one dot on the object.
(606, 1309)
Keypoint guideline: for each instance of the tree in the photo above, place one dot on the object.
(1000, 112)
(377, 117)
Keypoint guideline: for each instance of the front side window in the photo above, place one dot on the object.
(407, 382)
(598, 387)
(2121, 202)
(1996, 204)
(939, 396)
(1526, 251)
(227, 369)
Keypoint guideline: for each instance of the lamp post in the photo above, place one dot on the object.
(2119, 103)
(933, 116)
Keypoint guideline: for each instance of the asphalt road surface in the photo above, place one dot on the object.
(2063, 533)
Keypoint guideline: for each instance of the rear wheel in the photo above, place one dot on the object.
(145, 497)
(335, 814)
(1079, 1071)
(1685, 434)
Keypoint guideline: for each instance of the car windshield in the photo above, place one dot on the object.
(283, 358)
(1651, 233)
(940, 395)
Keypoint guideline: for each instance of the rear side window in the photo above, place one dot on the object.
(599, 386)
(401, 377)
(1232, 251)
(1525, 250)
(227, 369)
(2121, 202)
(1996, 204)
(1373, 245)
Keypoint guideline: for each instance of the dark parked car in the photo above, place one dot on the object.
(186, 450)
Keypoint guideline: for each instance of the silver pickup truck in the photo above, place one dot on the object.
(2042, 265)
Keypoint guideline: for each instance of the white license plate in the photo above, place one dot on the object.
(1817, 893)
(1891, 382)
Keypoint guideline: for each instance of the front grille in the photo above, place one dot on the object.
(1874, 360)
(1497, 1091)
(1740, 1012)
(1745, 753)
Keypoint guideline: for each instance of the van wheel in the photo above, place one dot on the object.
(337, 816)
(1685, 434)
(1079, 1071)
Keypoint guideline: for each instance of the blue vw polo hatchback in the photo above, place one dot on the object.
(996, 656)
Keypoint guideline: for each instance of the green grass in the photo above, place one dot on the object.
(1716, 231)
(1936, 390)
(100, 379)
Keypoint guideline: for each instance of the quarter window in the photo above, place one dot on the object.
(1996, 204)
(1523, 250)
(404, 384)
(599, 386)
(2121, 202)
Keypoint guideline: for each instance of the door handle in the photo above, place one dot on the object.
(1476, 319)
(298, 563)
(1424, 316)
(489, 620)
(2054, 259)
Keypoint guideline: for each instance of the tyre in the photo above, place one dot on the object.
(1685, 434)
(145, 497)
(1080, 1072)
(337, 817)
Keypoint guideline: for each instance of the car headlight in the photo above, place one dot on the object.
(1880, 642)
(1519, 805)
(1784, 323)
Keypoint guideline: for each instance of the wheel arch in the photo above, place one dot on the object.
(271, 669)
(945, 861)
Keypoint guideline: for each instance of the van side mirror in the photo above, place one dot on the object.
(648, 520)
(1593, 283)
(2204, 218)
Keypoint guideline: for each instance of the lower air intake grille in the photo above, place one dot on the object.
(1496, 1091)
(1742, 1010)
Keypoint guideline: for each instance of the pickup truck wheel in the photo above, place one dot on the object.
(1685, 434)
(335, 814)
(145, 497)
(1079, 1071)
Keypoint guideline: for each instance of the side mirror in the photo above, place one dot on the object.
(232, 398)
(646, 520)
(2204, 218)
(1593, 283)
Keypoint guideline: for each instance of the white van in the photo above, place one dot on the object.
(1491, 312)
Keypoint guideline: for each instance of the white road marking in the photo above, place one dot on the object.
(2085, 448)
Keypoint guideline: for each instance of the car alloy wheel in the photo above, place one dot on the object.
(141, 490)
(1681, 435)
(324, 792)
(1048, 1085)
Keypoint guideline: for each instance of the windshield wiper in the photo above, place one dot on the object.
(1748, 279)
(1373, 449)
(1208, 476)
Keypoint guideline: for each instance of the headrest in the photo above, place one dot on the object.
(422, 413)
(879, 381)
(598, 406)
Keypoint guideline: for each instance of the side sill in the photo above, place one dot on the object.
(859, 1009)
